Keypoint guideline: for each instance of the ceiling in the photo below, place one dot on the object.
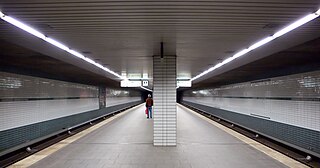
(301, 58)
(124, 35)
(17, 59)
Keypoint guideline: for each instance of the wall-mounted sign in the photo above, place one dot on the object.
(145, 83)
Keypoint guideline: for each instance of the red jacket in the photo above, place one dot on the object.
(149, 102)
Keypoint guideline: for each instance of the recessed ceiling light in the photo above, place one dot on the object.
(86, 52)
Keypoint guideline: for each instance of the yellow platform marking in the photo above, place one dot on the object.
(28, 161)
(268, 151)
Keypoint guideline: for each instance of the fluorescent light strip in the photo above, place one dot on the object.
(75, 53)
(138, 78)
(56, 43)
(262, 42)
(296, 24)
(146, 89)
(38, 34)
(1, 15)
(22, 26)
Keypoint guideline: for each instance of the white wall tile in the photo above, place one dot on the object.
(112, 101)
(281, 98)
(164, 80)
(19, 113)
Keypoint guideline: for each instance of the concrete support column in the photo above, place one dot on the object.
(164, 96)
(102, 97)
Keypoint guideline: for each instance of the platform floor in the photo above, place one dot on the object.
(127, 142)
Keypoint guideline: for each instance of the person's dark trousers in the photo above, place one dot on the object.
(150, 112)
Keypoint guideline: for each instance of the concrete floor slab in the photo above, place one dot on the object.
(127, 142)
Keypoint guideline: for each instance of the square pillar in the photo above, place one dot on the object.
(164, 97)
(102, 97)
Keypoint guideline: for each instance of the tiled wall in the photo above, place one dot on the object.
(32, 108)
(164, 96)
(26, 100)
(21, 113)
(293, 101)
(116, 97)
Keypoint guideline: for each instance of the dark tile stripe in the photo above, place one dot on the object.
(270, 98)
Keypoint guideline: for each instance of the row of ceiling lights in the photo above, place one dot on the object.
(266, 40)
(54, 42)
(262, 42)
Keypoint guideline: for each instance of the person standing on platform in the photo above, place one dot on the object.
(149, 104)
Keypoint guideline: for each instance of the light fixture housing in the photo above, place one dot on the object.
(1, 15)
(56, 43)
(22, 26)
(296, 24)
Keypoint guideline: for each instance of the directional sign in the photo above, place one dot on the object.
(128, 83)
(145, 83)
(181, 83)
